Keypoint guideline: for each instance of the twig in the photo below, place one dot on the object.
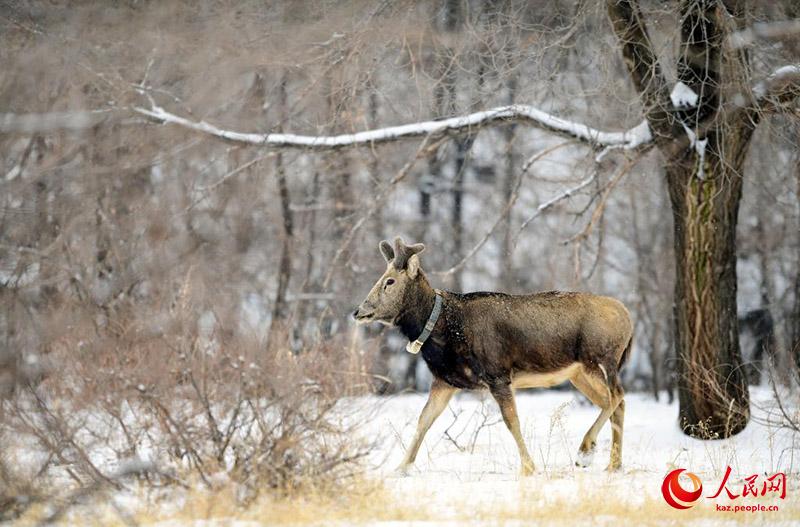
(504, 213)
(129, 469)
(378, 201)
(552, 202)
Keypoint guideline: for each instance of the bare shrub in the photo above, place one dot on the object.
(211, 409)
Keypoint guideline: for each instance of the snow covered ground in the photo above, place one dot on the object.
(467, 468)
(467, 471)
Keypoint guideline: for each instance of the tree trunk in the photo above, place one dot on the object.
(705, 192)
(644, 310)
(372, 163)
(463, 147)
(279, 307)
(429, 181)
(794, 316)
(303, 308)
(794, 348)
(506, 264)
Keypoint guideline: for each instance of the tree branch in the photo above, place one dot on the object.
(643, 66)
(552, 202)
(778, 30)
(50, 122)
(503, 214)
(521, 114)
(631, 139)
(774, 93)
(425, 148)
(701, 65)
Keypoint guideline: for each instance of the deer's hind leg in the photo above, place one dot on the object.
(617, 419)
(604, 391)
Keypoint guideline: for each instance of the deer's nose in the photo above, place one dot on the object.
(363, 313)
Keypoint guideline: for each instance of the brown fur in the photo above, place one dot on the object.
(500, 342)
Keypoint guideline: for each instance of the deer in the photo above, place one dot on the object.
(503, 342)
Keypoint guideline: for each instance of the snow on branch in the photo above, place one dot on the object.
(781, 85)
(631, 139)
(683, 96)
(628, 140)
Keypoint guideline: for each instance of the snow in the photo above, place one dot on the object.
(13, 173)
(699, 146)
(785, 72)
(554, 422)
(683, 96)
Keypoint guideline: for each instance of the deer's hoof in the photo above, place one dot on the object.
(527, 469)
(613, 467)
(403, 470)
(584, 458)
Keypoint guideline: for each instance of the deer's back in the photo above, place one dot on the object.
(496, 335)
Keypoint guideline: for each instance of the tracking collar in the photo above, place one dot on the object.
(414, 347)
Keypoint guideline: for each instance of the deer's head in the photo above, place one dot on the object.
(386, 300)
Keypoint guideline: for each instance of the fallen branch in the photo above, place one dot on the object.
(129, 468)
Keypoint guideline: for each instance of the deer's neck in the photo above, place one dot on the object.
(419, 303)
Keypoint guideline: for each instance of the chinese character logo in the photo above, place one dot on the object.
(775, 484)
(676, 495)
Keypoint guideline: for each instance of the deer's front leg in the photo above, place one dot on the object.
(440, 395)
(504, 396)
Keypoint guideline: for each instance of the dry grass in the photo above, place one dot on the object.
(369, 501)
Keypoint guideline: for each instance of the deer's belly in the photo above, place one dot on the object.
(451, 369)
(544, 379)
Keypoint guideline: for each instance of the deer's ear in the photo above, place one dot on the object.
(413, 266)
(386, 250)
(416, 248)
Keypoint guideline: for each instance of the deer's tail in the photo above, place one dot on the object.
(625, 354)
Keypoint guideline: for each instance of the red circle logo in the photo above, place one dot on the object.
(675, 495)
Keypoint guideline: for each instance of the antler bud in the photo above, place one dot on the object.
(403, 252)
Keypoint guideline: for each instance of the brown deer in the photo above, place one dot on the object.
(500, 342)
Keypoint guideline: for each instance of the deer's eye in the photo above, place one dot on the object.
(389, 281)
